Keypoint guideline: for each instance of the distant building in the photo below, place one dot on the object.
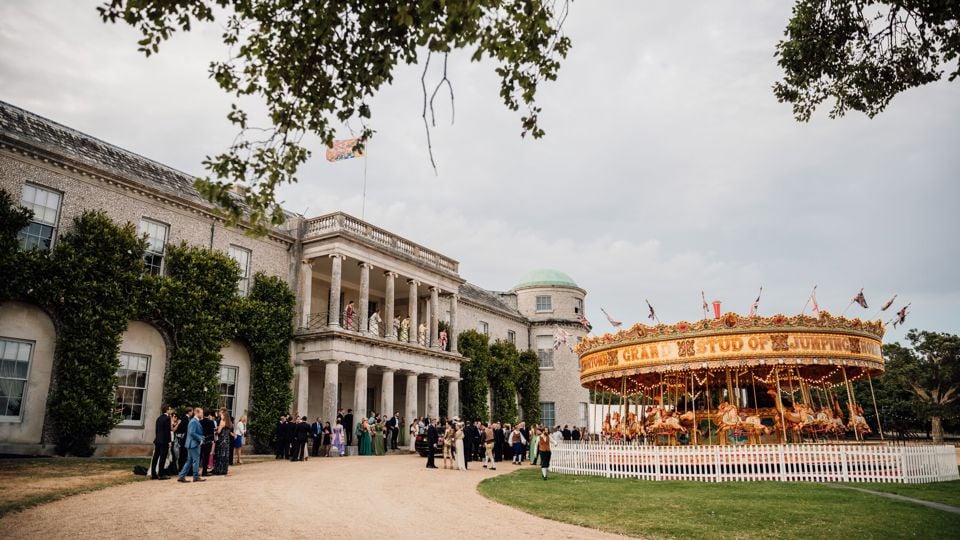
(329, 261)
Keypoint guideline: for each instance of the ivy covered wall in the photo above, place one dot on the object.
(93, 282)
(508, 374)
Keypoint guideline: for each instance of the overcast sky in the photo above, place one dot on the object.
(668, 166)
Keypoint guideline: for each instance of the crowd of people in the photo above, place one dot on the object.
(375, 435)
(200, 443)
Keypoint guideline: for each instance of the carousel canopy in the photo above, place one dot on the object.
(819, 347)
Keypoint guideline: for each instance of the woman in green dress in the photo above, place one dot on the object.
(379, 443)
(363, 439)
(533, 444)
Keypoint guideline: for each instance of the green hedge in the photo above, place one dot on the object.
(505, 372)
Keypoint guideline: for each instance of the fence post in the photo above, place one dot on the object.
(901, 460)
(783, 462)
(716, 463)
(844, 467)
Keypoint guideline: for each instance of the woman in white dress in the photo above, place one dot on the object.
(414, 431)
(458, 448)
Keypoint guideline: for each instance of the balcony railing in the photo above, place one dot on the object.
(340, 223)
(319, 321)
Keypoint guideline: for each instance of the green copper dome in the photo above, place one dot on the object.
(545, 278)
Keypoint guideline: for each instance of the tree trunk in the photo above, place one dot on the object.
(936, 428)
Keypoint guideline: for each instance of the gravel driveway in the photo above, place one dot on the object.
(385, 498)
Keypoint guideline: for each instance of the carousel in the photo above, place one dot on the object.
(734, 380)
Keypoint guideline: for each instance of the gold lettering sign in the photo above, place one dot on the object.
(697, 351)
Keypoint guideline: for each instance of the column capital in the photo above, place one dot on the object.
(359, 365)
(337, 256)
(408, 372)
(432, 376)
(413, 282)
(364, 264)
(451, 379)
(435, 288)
(308, 262)
(387, 369)
(330, 361)
(391, 273)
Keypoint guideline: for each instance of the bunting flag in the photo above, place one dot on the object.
(345, 149)
(706, 307)
(583, 321)
(813, 298)
(615, 323)
(889, 303)
(901, 316)
(756, 304)
(653, 314)
(560, 338)
(860, 299)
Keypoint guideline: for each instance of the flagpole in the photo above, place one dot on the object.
(875, 410)
(807, 303)
(842, 313)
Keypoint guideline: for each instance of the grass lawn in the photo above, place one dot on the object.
(29, 482)
(728, 510)
(941, 492)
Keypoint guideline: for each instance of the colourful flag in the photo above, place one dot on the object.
(561, 337)
(653, 314)
(706, 307)
(616, 324)
(901, 316)
(583, 321)
(813, 298)
(756, 303)
(345, 149)
(889, 303)
(860, 299)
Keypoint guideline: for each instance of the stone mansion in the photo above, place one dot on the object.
(329, 261)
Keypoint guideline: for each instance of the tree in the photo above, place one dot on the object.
(862, 53)
(317, 63)
(930, 371)
(473, 375)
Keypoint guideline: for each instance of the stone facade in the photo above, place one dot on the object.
(331, 262)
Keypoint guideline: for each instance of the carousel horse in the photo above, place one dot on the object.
(857, 421)
(792, 419)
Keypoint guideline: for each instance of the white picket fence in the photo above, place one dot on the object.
(782, 462)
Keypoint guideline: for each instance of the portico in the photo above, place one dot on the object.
(349, 358)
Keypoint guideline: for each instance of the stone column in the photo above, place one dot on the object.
(452, 331)
(359, 396)
(364, 307)
(410, 405)
(331, 382)
(434, 322)
(389, 311)
(412, 303)
(386, 393)
(336, 274)
(453, 398)
(433, 396)
(426, 320)
(306, 292)
(303, 388)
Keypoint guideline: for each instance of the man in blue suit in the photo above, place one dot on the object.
(194, 440)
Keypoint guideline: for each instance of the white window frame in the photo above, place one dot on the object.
(243, 284)
(544, 356)
(26, 380)
(142, 229)
(544, 303)
(220, 383)
(146, 387)
(40, 220)
(543, 415)
(484, 327)
(512, 336)
(578, 306)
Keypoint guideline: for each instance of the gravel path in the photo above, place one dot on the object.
(353, 497)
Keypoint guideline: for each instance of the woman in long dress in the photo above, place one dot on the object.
(405, 330)
(458, 448)
(221, 462)
(364, 444)
(337, 440)
(379, 448)
(448, 446)
(414, 431)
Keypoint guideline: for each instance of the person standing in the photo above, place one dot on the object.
(489, 440)
(414, 431)
(467, 443)
(240, 430)
(348, 426)
(567, 435)
(290, 436)
(432, 436)
(209, 431)
(181, 437)
(448, 435)
(193, 441)
(302, 436)
(317, 430)
(364, 442)
(499, 442)
(161, 442)
(338, 438)
(543, 448)
(517, 441)
(575, 434)
(458, 450)
(405, 330)
(325, 438)
(221, 461)
(375, 322)
(379, 439)
(348, 315)
(396, 327)
(395, 424)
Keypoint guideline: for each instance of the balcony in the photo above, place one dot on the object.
(319, 329)
(340, 224)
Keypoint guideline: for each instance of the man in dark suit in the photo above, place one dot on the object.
(316, 429)
(575, 434)
(194, 441)
(348, 426)
(209, 430)
(161, 443)
(469, 441)
(567, 435)
(289, 436)
(394, 424)
(181, 436)
(301, 434)
(432, 437)
(499, 442)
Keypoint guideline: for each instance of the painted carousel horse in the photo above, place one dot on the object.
(792, 420)
(857, 422)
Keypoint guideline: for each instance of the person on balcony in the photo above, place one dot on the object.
(375, 322)
(422, 334)
(405, 330)
(348, 315)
